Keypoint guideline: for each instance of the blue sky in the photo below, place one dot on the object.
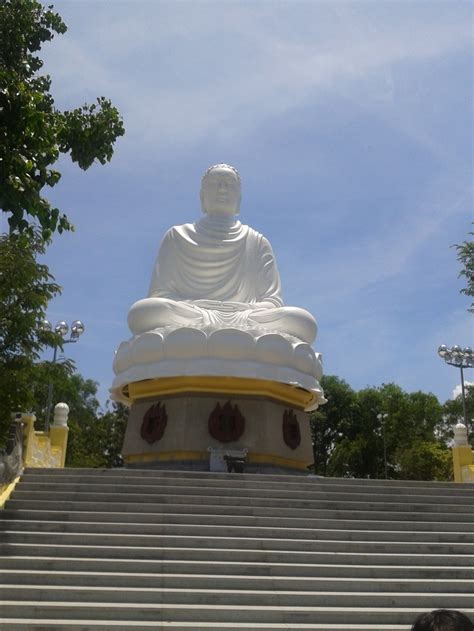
(351, 126)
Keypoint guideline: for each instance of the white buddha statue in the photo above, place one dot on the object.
(218, 273)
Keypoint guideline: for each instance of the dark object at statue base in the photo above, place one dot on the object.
(234, 465)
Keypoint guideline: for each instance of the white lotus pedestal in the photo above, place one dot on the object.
(195, 393)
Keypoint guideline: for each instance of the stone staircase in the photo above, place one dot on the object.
(138, 549)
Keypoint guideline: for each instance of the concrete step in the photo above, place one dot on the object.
(71, 564)
(229, 554)
(144, 480)
(237, 598)
(170, 487)
(252, 532)
(176, 505)
(235, 582)
(197, 519)
(253, 478)
(198, 495)
(122, 549)
(217, 613)
(203, 541)
(117, 625)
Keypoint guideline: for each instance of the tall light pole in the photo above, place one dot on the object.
(460, 358)
(382, 418)
(62, 329)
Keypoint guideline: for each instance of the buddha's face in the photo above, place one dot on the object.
(220, 192)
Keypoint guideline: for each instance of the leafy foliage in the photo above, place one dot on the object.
(95, 437)
(97, 441)
(466, 258)
(453, 413)
(33, 132)
(332, 421)
(25, 290)
(68, 386)
(425, 461)
(350, 439)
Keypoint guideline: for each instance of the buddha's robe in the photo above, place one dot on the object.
(218, 272)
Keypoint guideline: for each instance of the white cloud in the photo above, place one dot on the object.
(384, 251)
(182, 71)
(185, 72)
(458, 389)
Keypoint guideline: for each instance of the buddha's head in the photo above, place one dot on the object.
(220, 191)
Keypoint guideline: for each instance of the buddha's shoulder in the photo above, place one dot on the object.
(179, 230)
(255, 234)
(191, 231)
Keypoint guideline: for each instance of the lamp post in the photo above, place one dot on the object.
(62, 329)
(460, 358)
(382, 418)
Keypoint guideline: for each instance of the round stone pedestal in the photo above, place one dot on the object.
(202, 431)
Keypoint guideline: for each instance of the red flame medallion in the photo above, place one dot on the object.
(291, 429)
(154, 423)
(226, 424)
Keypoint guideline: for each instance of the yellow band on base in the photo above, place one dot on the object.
(170, 456)
(277, 461)
(235, 386)
(165, 456)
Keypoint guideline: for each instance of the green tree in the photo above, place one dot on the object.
(361, 451)
(25, 290)
(97, 442)
(114, 422)
(33, 133)
(465, 252)
(453, 413)
(354, 438)
(425, 461)
(332, 421)
(95, 437)
(69, 386)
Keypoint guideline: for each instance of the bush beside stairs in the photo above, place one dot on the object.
(92, 549)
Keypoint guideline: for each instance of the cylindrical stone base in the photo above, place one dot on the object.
(192, 432)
